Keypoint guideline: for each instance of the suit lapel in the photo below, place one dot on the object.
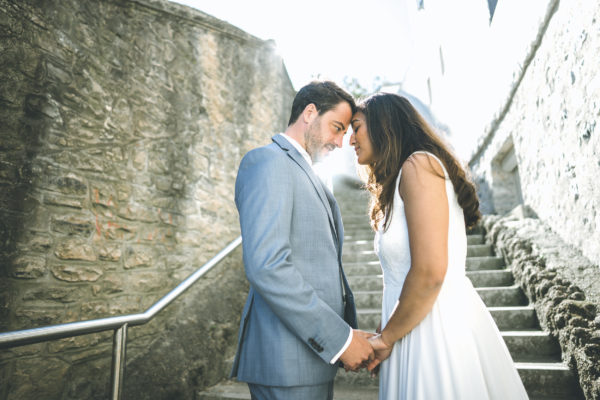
(317, 184)
(337, 217)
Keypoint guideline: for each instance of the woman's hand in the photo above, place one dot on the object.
(375, 370)
(382, 352)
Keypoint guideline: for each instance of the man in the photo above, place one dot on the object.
(299, 318)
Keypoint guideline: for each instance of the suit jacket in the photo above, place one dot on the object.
(295, 319)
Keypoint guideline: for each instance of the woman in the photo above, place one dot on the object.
(438, 339)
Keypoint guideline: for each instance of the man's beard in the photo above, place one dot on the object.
(313, 141)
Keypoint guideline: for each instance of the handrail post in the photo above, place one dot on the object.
(118, 361)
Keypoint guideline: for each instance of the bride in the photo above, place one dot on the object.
(436, 339)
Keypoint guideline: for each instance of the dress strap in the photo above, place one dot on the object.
(435, 158)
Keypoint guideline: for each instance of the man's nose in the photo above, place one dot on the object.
(339, 141)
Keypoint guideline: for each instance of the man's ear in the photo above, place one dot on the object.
(310, 113)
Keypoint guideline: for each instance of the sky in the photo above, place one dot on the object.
(329, 39)
(447, 54)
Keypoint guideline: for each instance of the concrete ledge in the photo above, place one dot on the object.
(562, 285)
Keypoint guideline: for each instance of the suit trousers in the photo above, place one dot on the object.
(314, 392)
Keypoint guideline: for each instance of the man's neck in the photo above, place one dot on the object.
(297, 135)
(299, 148)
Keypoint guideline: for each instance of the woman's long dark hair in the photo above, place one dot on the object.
(396, 131)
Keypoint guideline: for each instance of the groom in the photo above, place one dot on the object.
(299, 316)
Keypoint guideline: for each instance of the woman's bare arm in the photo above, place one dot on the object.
(423, 190)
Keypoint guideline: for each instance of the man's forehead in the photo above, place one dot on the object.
(341, 112)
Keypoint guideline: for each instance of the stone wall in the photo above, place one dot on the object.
(562, 285)
(122, 126)
(549, 123)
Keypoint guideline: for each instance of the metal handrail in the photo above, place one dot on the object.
(119, 324)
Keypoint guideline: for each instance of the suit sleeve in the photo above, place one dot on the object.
(264, 198)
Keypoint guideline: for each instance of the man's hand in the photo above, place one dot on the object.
(382, 351)
(359, 353)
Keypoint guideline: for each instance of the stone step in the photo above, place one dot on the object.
(532, 346)
(358, 229)
(477, 230)
(484, 263)
(353, 233)
(541, 380)
(515, 318)
(549, 381)
(360, 235)
(521, 318)
(480, 250)
(473, 250)
(481, 263)
(475, 239)
(478, 278)
(361, 378)
(368, 298)
(473, 264)
(359, 256)
(502, 296)
(365, 282)
(360, 245)
(362, 268)
(491, 278)
(359, 218)
(233, 390)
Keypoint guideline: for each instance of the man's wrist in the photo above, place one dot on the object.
(343, 349)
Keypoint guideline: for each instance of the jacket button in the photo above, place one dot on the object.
(315, 345)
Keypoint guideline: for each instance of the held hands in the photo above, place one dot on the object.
(382, 352)
(359, 353)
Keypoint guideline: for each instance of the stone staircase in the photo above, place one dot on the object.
(535, 353)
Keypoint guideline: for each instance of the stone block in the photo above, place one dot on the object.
(24, 383)
(113, 230)
(28, 267)
(36, 242)
(94, 309)
(103, 194)
(24, 351)
(126, 305)
(75, 249)
(111, 283)
(137, 212)
(63, 201)
(69, 184)
(138, 257)
(49, 293)
(78, 342)
(76, 273)
(146, 282)
(36, 317)
(109, 252)
(73, 224)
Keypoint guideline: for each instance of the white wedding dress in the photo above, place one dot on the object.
(456, 352)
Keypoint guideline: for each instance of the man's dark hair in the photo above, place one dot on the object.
(325, 95)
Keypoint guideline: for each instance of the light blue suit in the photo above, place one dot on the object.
(295, 320)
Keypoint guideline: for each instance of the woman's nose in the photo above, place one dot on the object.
(352, 139)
